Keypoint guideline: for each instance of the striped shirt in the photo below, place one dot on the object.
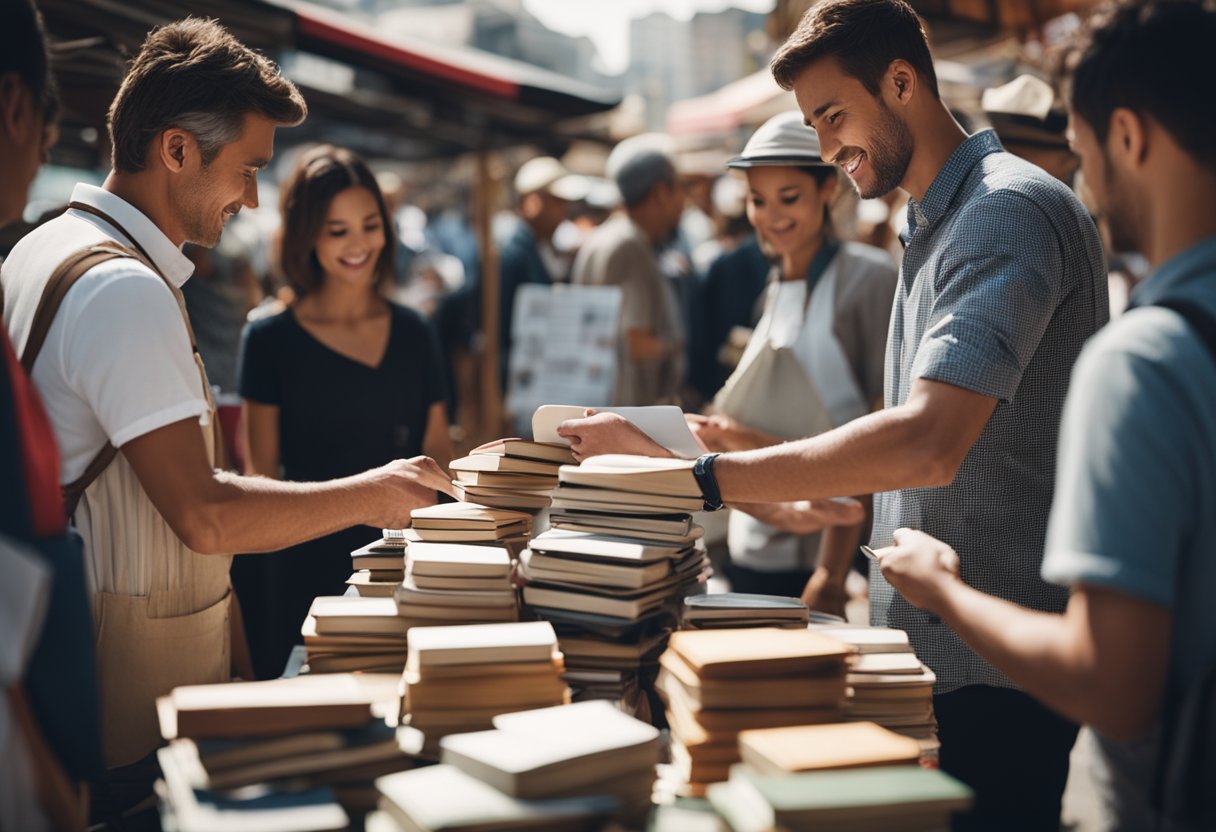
(1002, 282)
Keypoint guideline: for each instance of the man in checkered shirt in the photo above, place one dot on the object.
(1001, 283)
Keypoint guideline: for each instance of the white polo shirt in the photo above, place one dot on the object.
(117, 362)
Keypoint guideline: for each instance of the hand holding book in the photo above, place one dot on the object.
(608, 433)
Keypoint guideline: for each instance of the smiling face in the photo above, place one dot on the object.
(857, 130)
(351, 238)
(787, 207)
(208, 195)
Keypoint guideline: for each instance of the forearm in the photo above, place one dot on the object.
(882, 451)
(837, 548)
(1052, 657)
(255, 514)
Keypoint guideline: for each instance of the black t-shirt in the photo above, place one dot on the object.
(337, 416)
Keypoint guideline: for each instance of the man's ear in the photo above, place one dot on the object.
(1127, 139)
(900, 81)
(174, 147)
(16, 107)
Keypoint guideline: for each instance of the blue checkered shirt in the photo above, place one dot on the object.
(1001, 283)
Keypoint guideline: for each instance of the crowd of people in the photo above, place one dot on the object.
(1038, 481)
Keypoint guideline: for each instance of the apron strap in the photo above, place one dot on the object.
(65, 276)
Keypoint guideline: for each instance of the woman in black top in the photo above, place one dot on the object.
(339, 382)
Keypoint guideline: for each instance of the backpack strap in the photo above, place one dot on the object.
(1183, 764)
(1202, 322)
(74, 267)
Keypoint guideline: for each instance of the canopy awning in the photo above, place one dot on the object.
(745, 103)
(386, 96)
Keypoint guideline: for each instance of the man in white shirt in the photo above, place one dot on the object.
(191, 126)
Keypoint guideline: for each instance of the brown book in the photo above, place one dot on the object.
(502, 465)
(569, 497)
(467, 535)
(466, 516)
(502, 497)
(507, 480)
(770, 692)
(259, 709)
(487, 692)
(526, 449)
(818, 747)
(760, 651)
(459, 583)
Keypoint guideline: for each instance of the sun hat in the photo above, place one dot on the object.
(1025, 111)
(547, 174)
(784, 140)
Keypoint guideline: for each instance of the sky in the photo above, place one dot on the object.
(606, 22)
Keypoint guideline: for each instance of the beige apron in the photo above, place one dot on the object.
(774, 391)
(178, 633)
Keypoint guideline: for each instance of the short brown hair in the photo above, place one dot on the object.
(195, 75)
(865, 36)
(320, 174)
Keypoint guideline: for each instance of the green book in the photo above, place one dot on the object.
(907, 797)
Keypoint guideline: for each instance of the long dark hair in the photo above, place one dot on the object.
(321, 174)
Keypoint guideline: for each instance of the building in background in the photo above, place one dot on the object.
(672, 59)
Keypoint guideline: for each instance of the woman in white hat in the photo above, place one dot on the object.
(815, 359)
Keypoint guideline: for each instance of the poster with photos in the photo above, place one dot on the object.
(564, 343)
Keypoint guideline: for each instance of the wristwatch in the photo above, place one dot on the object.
(703, 473)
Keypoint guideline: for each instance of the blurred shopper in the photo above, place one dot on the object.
(624, 252)
(1132, 524)
(544, 191)
(1001, 283)
(815, 359)
(734, 272)
(341, 381)
(191, 126)
(47, 664)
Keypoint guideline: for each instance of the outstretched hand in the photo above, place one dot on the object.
(409, 484)
(607, 433)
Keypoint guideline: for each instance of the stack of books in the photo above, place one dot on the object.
(884, 799)
(467, 523)
(612, 572)
(347, 633)
(717, 683)
(607, 487)
(379, 566)
(590, 748)
(454, 583)
(300, 741)
(458, 679)
(888, 684)
(733, 610)
(510, 473)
